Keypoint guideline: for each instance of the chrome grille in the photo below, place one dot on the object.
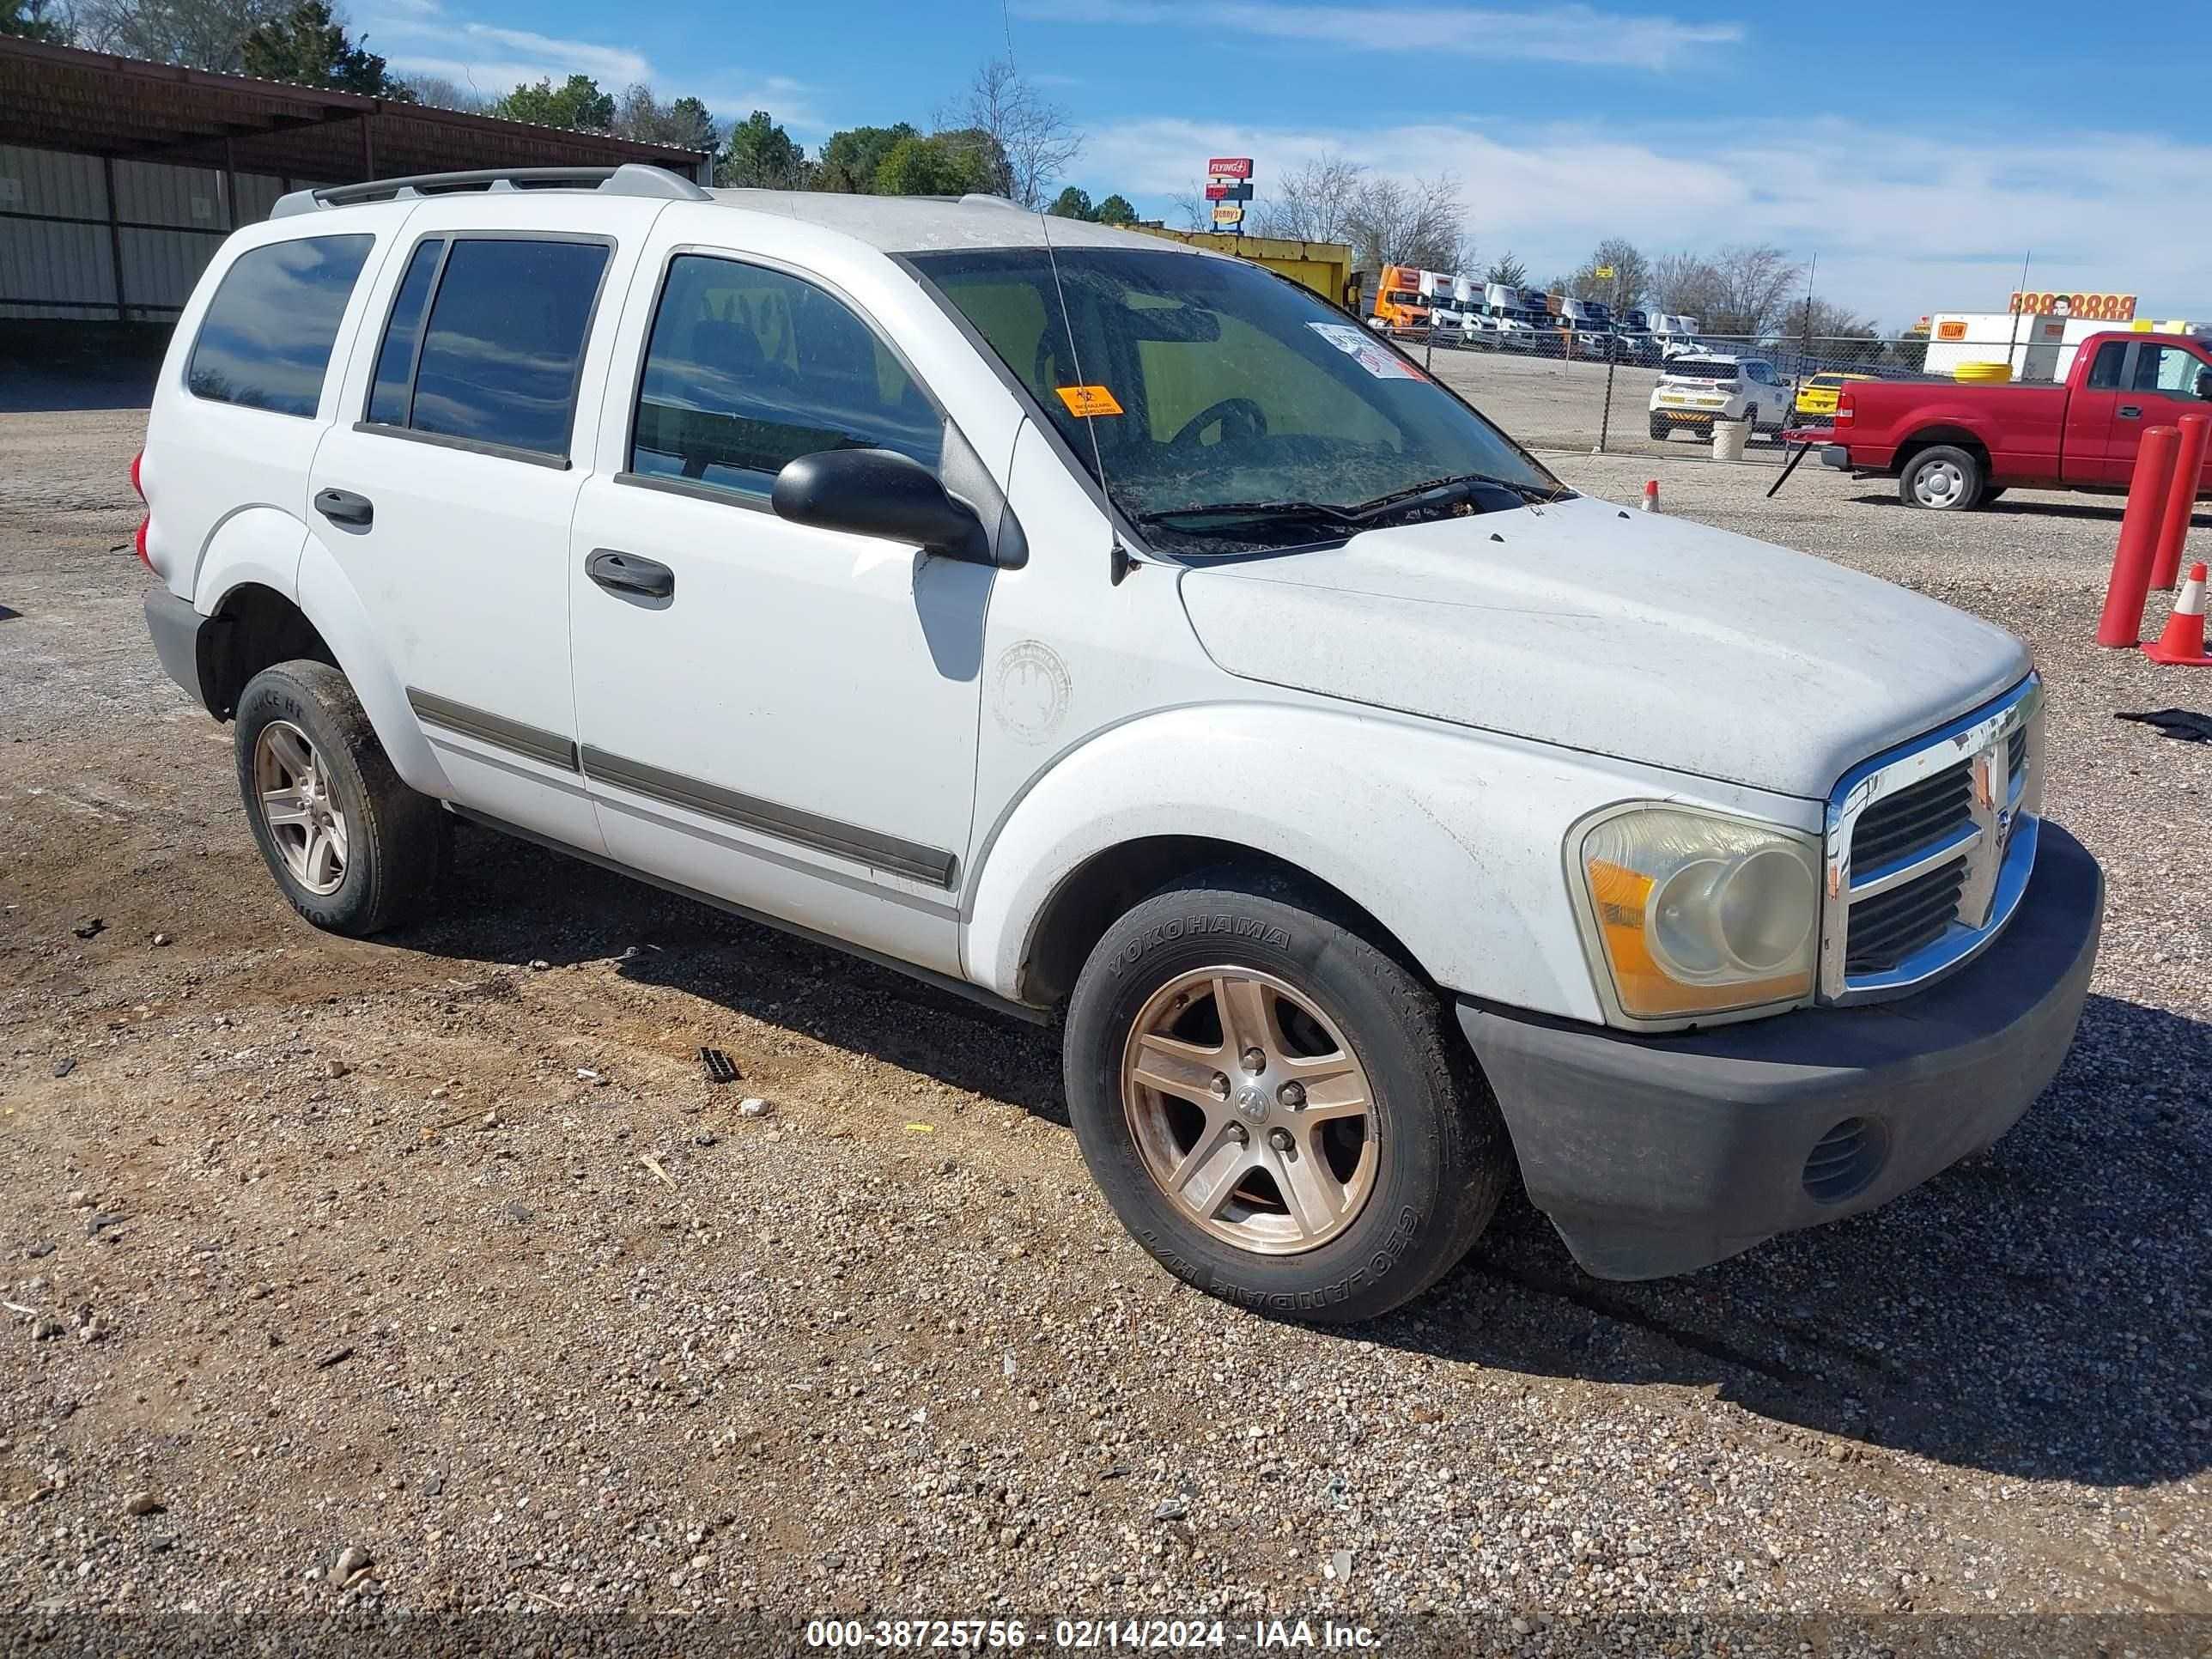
(1890, 926)
(1930, 848)
(1915, 819)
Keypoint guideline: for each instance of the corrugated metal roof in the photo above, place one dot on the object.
(63, 98)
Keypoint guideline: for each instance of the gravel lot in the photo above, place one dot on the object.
(432, 1274)
(1552, 403)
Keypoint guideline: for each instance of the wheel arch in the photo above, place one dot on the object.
(1929, 437)
(1462, 892)
(255, 623)
(1112, 881)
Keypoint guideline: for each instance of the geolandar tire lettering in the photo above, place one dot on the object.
(1273, 1103)
(353, 849)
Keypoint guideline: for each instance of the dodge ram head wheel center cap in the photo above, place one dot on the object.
(1249, 1110)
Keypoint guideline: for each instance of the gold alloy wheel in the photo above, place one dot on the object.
(1249, 1110)
(292, 788)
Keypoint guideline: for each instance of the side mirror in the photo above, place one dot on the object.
(879, 492)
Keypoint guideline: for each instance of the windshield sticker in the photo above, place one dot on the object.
(1355, 343)
(1085, 401)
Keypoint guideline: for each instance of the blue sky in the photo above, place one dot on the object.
(1918, 149)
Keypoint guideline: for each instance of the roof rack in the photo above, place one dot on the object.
(631, 178)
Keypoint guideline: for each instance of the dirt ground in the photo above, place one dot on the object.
(442, 1250)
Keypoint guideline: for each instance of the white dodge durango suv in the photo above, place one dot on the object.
(1119, 634)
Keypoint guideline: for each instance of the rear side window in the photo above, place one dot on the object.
(749, 368)
(265, 341)
(501, 342)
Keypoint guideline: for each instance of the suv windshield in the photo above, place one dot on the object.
(1209, 384)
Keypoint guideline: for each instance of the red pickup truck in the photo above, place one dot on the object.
(1956, 446)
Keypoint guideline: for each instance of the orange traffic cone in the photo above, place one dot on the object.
(1651, 496)
(2183, 642)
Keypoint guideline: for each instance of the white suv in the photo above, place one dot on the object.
(1695, 390)
(1118, 633)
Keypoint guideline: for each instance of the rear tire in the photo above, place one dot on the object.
(1941, 478)
(354, 850)
(1335, 1199)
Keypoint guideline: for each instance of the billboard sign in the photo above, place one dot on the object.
(1229, 166)
(1221, 193)
(1229, 214)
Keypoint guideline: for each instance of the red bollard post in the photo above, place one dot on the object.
(2122, 621)
(2181, 505)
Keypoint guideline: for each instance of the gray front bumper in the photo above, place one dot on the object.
(1657, 1155)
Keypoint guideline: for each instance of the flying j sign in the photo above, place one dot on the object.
(1229, 166)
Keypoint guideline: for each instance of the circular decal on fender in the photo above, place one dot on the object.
(1030, 692)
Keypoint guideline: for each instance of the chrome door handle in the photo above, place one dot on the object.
(2130, 411)
(625, 573)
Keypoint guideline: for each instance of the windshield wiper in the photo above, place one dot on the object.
(1205, 510)
(1437, 491)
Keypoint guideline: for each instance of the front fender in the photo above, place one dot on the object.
(1450, 839)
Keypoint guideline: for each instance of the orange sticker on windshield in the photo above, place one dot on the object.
(1085, 401)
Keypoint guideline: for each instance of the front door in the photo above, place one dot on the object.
(2085, 453)
(2164, 382)
(780, 716)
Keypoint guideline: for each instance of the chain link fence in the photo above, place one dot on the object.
(1628, 395)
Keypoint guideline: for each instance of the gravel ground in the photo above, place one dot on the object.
(433, 1275)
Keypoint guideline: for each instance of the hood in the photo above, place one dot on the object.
(1627, 633)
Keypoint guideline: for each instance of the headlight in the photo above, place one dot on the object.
(1692, 912)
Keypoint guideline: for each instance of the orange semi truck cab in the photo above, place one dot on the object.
(1398, 300)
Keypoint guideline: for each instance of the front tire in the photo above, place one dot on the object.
(1942, 479)
(1276, 1108)
(354, 850)
(1662, 429)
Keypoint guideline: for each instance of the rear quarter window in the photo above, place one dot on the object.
(265, 341)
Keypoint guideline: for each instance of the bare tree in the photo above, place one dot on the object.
(1313, 203)
(1031, 140)
(208, 35)
(1416, 223)
(1684, 284)
(1631, 274)
(1193, 209)
(1750, 289)
(436, 92)
(1817, 320)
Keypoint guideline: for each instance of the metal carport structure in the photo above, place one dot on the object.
(118, 177)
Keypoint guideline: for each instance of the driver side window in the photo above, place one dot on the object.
(2170, 371)
(748, 369)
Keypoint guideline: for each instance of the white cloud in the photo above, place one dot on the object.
(1902, 226)
(1570, 34)
(426, 45)
(791, 102)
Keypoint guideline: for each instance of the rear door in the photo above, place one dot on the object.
(444, 491)
(2088, 455)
